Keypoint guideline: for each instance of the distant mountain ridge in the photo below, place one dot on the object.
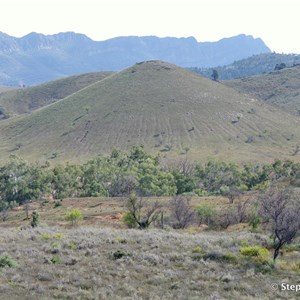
(37, 58)
(254, 65)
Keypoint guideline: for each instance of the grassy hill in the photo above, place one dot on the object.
(279, 87)
(166, 108)
(25, 100)
(4, 89)
(253, 65)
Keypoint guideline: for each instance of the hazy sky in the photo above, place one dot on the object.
(275, 21)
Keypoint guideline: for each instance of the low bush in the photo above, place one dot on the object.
(129, 220)
(55, 260)
(205, 214)
(220, 257)
(254, 251)
(260, 254)
(118, 254)
(7, 261)
(57, 203)
(35, 219)
(73, 216)
(197, 249)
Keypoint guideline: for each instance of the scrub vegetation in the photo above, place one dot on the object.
(97, 231)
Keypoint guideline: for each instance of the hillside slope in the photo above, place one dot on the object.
(281, 88)
(253, 65)
(26, 100)
(164, 107)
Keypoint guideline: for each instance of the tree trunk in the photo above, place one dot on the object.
(277, 249)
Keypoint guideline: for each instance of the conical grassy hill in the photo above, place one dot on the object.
(166, 108)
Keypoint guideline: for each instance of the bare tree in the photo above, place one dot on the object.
(141, 212)
(227, 217)
(182, 214)
(185, 167)
(283, 213)
(242, 209)
(26, 208)
(232, 193)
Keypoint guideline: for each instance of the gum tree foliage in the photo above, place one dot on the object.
(121, 173)
(216, 175)
(184, 176)
(21, 181)
(152, 180)
(97, 175)
(65, 181)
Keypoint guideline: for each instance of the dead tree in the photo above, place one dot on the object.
(282, 211)
(141, 212)
(182, 214)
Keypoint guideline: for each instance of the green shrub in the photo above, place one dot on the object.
(58, 236)
(230, 257)
(291, 248)
(254, 222)
(45, 236)
(121, 240)
(35, 219)
(54, 245)
(254, 251)
(119, 254)
(57, 204)
(205, 214)
(200, 192)
(197, 249)
(260, 254)
(129, 220)
(7, 261)
(220, 257)
(73, 216)
(244, 243)
(55, 260)
(72, 246)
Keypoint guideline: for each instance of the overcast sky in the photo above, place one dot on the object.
(275, 21)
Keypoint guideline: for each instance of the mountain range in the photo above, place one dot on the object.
(37, 58)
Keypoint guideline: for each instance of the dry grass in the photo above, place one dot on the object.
(98, 263)
(26, 100)
(102, 259)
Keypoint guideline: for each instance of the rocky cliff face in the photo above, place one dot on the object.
(36, 58)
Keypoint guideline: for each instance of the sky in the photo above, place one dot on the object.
(276, 22)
